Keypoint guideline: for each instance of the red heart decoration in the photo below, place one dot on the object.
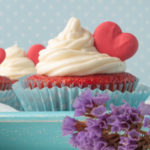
(109, 39)
(2, 55)
(33, 52)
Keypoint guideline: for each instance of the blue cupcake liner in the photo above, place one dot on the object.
(61, 99)
(8, 97)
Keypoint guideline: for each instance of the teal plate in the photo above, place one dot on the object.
(33, 131)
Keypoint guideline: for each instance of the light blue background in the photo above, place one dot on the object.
(27, 22)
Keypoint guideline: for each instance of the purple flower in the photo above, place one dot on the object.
(86, 101)
(120, 110)
(127, 143)
(99, 124)
(112, 120)
(103, 124)
(122, 148)
(115, 129)
(82, 103)
(135, 118)
(117, 110)
(134, 135)
(79, 112)
(125, 148)
(144, 108)
(109, 148)
(94, 132)
(68, 126)
(124, 126)
(81, 140)
(74, 140)
(98, 111)
(91, 122)
(99, 145)
(125, 115)
(130, 147)
(122, 122)
(101, 99)
(135, 111)
(146, 122)
(124, 118)
(124, 141)
(95, 126)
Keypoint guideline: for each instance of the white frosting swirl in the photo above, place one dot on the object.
(72, 53)
(16, 64)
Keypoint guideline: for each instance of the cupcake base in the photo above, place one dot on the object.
(119, 81)
(61, 99)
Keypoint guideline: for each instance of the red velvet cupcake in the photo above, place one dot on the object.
(72, 60)
(7, 95)
(16, 64)
(76, 60)
(5, 83)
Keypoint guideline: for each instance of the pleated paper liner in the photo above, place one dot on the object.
(61, 99)
(9, 97)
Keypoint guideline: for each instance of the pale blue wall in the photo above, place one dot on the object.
(36, 21)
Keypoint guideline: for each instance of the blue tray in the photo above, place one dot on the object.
(33, 131)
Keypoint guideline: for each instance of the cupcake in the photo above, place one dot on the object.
(73, 62)
(16, 64)
(5, 83)
(7, 96)
(71, 59)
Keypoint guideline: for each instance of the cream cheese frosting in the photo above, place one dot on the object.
(72, 53)
(16, 64)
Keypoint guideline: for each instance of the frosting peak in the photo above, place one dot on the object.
(14, 51)
(72, 30)
(73, 37)
(16, 64)
(72, 26)
(72, 53)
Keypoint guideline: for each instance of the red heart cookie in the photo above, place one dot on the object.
(33, 52)
(2, 55)
(109, 39)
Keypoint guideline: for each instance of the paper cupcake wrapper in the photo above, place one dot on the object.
(8, 97)
(61, 99)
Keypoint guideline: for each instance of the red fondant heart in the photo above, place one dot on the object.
(2, 55)
(109, 39)
(33, 52)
